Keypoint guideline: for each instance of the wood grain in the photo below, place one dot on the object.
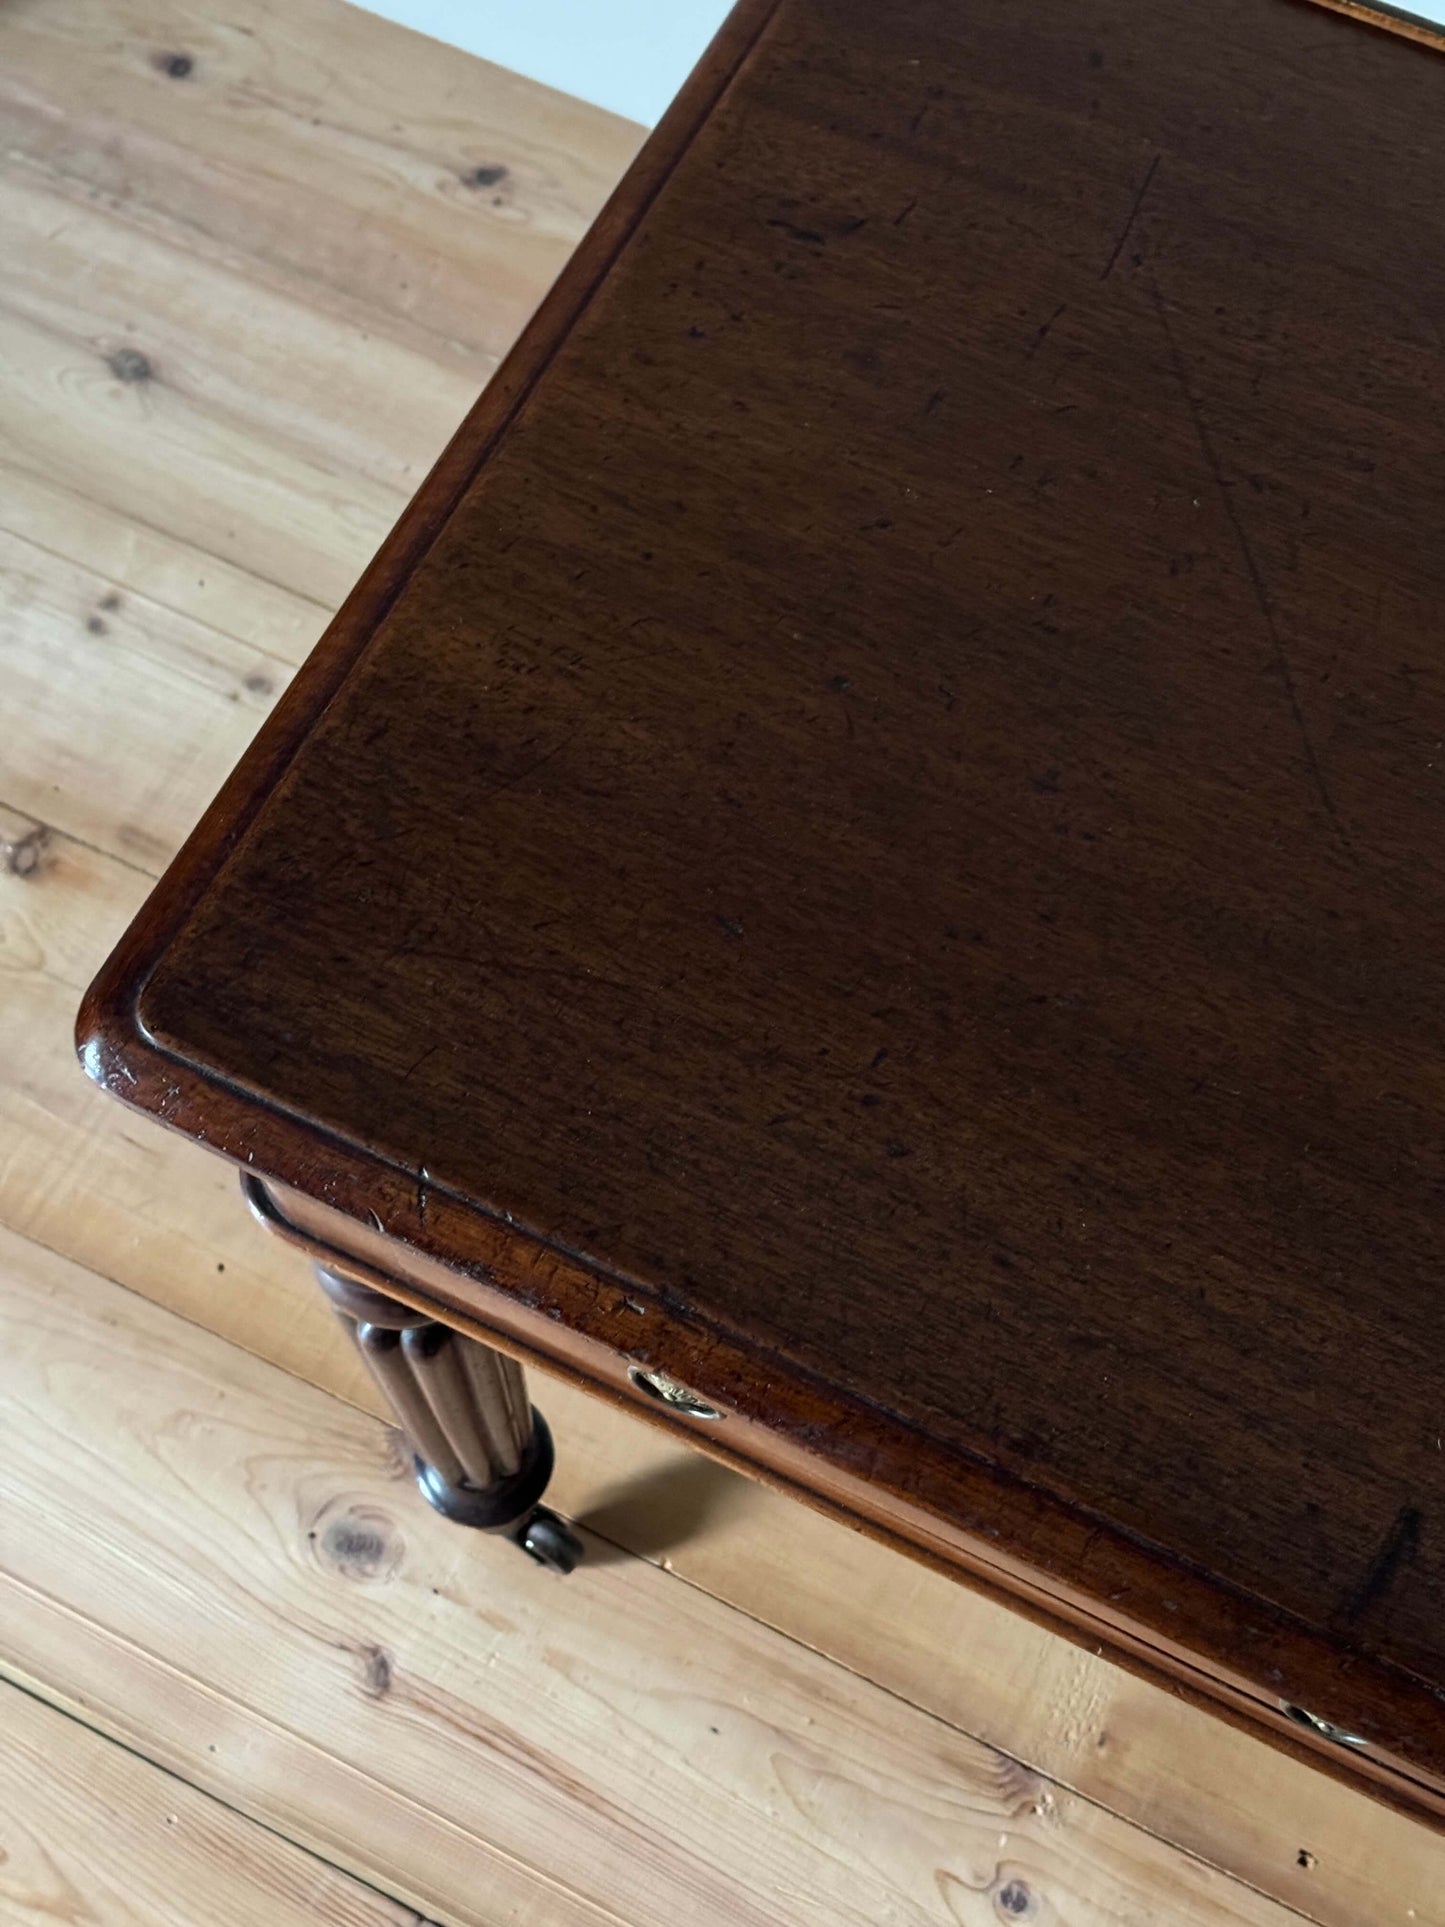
(158, 1214)
(134, 439)
(153, 1211)
(132, 554)
(90, 1832)
(900, 843)
(623, 1742)
(101, 676)
(291, 375)
(339, 156)
(144, 212)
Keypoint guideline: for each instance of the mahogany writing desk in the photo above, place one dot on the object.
(866, 869)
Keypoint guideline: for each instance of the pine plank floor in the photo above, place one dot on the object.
(257, 261)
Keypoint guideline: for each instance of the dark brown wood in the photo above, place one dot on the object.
(482, 1456)
(873, 845)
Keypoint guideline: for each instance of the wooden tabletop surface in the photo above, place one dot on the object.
(888, 803)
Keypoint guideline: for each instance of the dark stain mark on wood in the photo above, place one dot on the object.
(259, 684)
(360, 1543)
(1124, 231)
(488, 176)
(377, 1672)
(1401, 1545)
(22, 856)
(110, 602)
(129, 364)
(731, 928)
(1304, 1858)
(175, 66)
(353, 1546)
(97, 625)
(808, 234)
(1015, 1901)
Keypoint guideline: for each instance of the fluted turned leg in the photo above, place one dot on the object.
(483, 1456)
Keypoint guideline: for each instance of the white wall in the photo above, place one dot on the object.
(629, 55)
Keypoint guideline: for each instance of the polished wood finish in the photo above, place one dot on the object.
(115, 736)
(481, 1455)
(871, 843)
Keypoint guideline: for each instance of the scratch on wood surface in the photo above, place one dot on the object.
(1041, 334)
(529, 769)
(1127, 228)
(417, 1062)
(1256, 578)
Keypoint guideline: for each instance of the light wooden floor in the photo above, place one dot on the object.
(255, 260)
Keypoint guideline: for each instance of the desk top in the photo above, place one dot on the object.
(886, 805)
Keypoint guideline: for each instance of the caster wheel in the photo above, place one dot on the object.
(551, 1543)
